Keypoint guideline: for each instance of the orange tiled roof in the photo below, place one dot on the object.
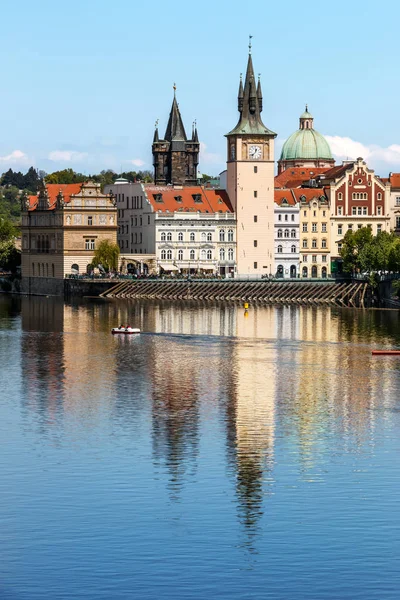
(394, 179)
(286, 194)
(309, 193)
(294, 177)
(68, 190)
(211, 200)
(338, 171)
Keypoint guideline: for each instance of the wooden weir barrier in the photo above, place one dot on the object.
(335, 293)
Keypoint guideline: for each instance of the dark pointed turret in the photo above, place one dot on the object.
(240, 95)
(175, 158)
(175, 130)
(250, 105)
(259, 95)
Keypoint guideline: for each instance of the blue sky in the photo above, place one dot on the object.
(84, 81)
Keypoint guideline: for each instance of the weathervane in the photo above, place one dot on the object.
(250, 37)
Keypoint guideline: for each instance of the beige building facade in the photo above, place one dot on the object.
(250, 181)
(61, 228)
(314, 233)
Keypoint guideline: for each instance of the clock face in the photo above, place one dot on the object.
(255, 152)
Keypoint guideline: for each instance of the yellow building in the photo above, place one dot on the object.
(61, 228)
(314, 232)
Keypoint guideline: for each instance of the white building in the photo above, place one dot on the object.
(189, 229)
(287, 234)
(394, 203)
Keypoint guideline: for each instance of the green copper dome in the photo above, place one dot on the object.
(306, 143)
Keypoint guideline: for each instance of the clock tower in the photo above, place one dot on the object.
(250, 180)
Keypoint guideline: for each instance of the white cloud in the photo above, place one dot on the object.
(17, 156)
(67, 156)
(137, 162)
(345, 148)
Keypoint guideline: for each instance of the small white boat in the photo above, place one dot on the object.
(125, 330)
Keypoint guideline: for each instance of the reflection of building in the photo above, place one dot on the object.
(187, 229)
(61, 227)
(287, 237)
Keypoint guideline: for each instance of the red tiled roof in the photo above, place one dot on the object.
(212, 200)
(338, 171)
(394, 179)
(280, 195)
(295, 176)
(68, 190)
(309, 193)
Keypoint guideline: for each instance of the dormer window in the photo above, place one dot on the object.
(178, 198)
(197, 198)
(158, 198)
(285, 202)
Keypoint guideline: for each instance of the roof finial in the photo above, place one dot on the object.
(174, 86)
(306, 107)
(156, 124)
(250, 37)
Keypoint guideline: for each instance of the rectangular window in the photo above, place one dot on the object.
(324, 213)
(397, 200)
(255, 218)
(314, 228)
(323, 227)
(89, 244)
(354, 210)
(365, 210)
(397, 222)
(324, 258)
(378, 228)
(255, 169)
(279, 217)
(350, 226)
(379, 210)
(255, 243)
(90, 220)
(340, 229)
(314, 258)
(305, 258)
(255, 265)
(305, 228)
(359, 211)
(305, 213)
(339, 211)
(314, 244)
(255, 193)
(148, 219)
(292, 217)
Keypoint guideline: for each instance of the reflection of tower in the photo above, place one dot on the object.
(251, 409)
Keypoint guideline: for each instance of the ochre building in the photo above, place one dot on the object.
(61, 228)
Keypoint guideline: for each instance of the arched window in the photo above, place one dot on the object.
(203, 255)
(169, 254)
(280, 233)
(293, 233)
(162, 236)
(286, 233)
(169, 236)
(293, 248)
(305, 272)
(230, 253)
(180, 254)
(163, 254)
(74, 268)
(180, 236)
(379, 196)
(314, 244)
(222, 254)
(209, 254)
(305, 243)
(192, 255)
(209, 236)
(203, 237)
(323, 243)
(222, 235)
(192, 236)
(230, 235)
(280, 249)
(314, 271)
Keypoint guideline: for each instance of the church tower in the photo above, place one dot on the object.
(250, 180)
(175, 158)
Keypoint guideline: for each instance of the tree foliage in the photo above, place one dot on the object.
(10, 257)
(365, 253)
(65, 176)
(30, 181)
(106, 255)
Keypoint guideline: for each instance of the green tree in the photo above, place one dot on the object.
(8, 252)
(106, 255)
(65, 176)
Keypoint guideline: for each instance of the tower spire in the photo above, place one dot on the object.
(240, 95)
(175, 129)
(156, 138)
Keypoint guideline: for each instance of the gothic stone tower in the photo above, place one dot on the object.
(175, 158)
(250, 181)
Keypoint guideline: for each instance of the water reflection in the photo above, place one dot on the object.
(298, 379)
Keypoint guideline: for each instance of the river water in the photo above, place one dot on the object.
(217, 455)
